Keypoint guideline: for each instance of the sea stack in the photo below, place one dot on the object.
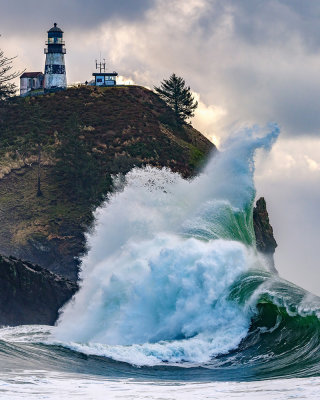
(55, 70)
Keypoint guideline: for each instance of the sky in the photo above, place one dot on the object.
(248, 62)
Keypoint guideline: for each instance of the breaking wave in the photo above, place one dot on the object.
(173, 281)
(163, 257)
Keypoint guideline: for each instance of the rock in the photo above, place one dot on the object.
(30, 294)
(265, 240)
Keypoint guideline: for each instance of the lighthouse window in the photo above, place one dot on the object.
(53, 40)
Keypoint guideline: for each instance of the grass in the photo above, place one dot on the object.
(119, 126)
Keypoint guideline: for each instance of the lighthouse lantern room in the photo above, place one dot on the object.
(55, 70)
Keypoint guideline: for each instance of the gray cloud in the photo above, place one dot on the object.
(28, 15)
(260, 59)
(262, 22)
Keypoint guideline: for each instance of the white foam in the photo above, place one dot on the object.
(34, 385)
(150, 292)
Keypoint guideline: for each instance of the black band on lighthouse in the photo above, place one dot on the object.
(55, 69)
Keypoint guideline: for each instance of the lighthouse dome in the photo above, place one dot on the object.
(55, 28)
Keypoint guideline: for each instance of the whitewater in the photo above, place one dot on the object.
(175, 301)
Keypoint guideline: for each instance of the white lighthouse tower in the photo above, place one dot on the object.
(55, 69)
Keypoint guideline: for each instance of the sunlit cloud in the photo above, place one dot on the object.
(207, 120)
(312, 164)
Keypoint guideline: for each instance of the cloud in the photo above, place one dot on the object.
(312, 164)
(270, 22)
(207, 119)
(80, 15)
(256, 63)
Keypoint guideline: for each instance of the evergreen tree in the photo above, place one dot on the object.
(7, 88)
(178, 97)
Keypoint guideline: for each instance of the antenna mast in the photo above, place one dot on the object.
(101, 65)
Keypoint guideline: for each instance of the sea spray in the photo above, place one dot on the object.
(177, 284)
(163, 257)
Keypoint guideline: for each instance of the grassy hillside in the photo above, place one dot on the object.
(83, 136)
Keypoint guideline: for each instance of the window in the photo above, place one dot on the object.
(99, 80)
(54, 40)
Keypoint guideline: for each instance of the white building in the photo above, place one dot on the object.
(103, 78)
(55, 70)
(30, 81)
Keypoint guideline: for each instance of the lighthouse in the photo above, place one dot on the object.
(55, 69)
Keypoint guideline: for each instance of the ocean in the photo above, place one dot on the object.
(175, 300)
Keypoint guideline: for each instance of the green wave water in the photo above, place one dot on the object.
(176, 290)
(283, 342)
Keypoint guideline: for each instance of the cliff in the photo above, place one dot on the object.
(81, 137)
(30, 294)
(73, 142)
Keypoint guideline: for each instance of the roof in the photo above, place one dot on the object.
(105, 74)
(31, 74)
(55, 28)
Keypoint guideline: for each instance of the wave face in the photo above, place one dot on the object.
(162, 260)
(173, 278)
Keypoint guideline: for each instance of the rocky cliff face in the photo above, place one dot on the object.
(30, 294)
(265, 240)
